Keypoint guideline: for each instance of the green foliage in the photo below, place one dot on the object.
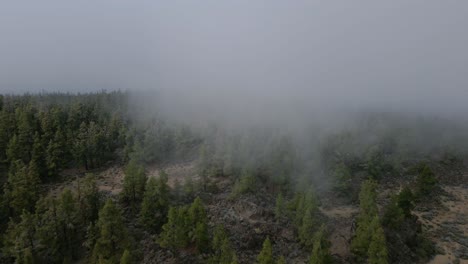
(222, 249)
(377, 253)
(22, 188)
(309, 224)
(186, 225)
(279, 206)
(155, 205)
(393, 215)
(126, 257)
(266, 254)
(321, 248)
(398, 209)
(28, 257)
(281, 260)
(368, 210)
(112, 237)
(58, 232)
(89, 199)
(134, 182)
(175, 232)
(342, 179)
(19, 239)
(246, 184)
(189, 187)
(426, 181)
(55, 153)
(305, 208)
(374, 165)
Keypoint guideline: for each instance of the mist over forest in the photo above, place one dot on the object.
(226, 132)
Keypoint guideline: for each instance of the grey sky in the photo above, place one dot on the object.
(395, 53)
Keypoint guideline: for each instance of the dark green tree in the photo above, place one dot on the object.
(266, 254)
(368, 211)
(126, 257)
(321, 248)
(175, 232)
(279, 206)
(155, 205)
(134, 182)
(222, 249)
(112, 237)
(22, 188)
(89, 199)
(426, 181)
(377, 253)
(19, 239)
(342, 179)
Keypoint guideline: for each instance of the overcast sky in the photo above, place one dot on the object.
(397, 53)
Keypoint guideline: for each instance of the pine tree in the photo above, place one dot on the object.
(198, 219)
(279, 206)
(68, 218)
(155, 203)
(222, 248)
(19, 239)
(368, 210)
(55, 153)
(26, 124)
(394, 214)
(28, 257)
(14, 151)
(281, 260)
(377, 253)
(342, 177)
(266, 255)
(134, 182)
(112, 234)
(426, 181)
(405, 201)
(37, 156)
(307, 228)
(22, 188)
(126, 257)
(89, 199)
(201, 236)
(320, 250)
(175, 232)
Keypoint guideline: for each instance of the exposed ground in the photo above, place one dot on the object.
(250, 219)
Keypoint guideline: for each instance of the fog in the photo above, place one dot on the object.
(247, 60)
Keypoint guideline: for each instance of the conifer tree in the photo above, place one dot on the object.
(279, 206)
(55, 153)
(175, 232)
(19, 239)
(222, 249)
(281, 260)
(426, 181)
(14, 151)
(28, 257)
(377, 253)
(126, 257)
(89, 199)
(22, 187)
(368, 210)
(342, 177)
(266, 255)
(320, 250)
(155, 203)
(134, 182)
(307, 229)
(112, 237)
